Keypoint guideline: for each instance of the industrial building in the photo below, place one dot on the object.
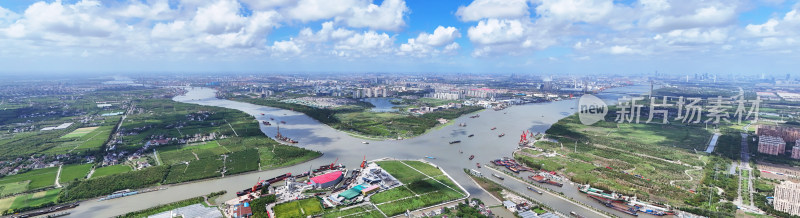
(787, 198)
(796, 150)
(771, 145)
(327, 180)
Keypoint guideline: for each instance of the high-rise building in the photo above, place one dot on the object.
(796, 150)
(771, 145)
(787, 198)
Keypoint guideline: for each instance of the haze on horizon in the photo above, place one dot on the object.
(508, 36)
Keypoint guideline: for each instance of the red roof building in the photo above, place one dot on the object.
(327, 180)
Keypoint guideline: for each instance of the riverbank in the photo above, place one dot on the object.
(350, 151)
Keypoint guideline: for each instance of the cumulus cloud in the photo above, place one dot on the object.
(55, 20)
(495, 31)
(353, 13)
(480, 9)
(575, 10)
(426, 44)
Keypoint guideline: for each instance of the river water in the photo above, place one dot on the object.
(485, 145)
(381, 104)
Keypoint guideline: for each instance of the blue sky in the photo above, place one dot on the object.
(505, 36)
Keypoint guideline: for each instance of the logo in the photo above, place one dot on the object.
(591, 109)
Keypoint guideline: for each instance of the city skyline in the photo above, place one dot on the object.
(576, 36)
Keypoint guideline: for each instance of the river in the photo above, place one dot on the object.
(485, 145)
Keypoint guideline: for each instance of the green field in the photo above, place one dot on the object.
(79, 132)
(110, 170)
(292, 209)
(610, 154)
(38, 178)
(184, 153)
(72, 172)
(29, 200)
(418, 190)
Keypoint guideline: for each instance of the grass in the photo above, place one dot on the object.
(184, 153)
(429, 191)
(79, 132)
(300, 208)
(14, 187)
(391, 194)
(111, 170)
(400, 171)
(72, 172)
(425, 168)
(29, 200)
(38, 178)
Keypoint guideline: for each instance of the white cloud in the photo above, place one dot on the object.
(575, 10)
(618, 50)
(267, 4)
(55, 20)
(157, 10)
(388, 16)
(441, 36)
(712, 14)
(368, 43)
(480, 9)
(219, 17)
(285, 48)
(7, 16)
(495, 31)
(695, 36)
(353, 13)
(426, 44)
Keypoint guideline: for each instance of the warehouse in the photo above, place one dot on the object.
(327, 180)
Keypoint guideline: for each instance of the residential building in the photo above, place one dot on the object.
(771, 145)
(796, 150)
(788, 134)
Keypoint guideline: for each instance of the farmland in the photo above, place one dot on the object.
(30, 180)
(73, 172)
(29, 200)
(110, 170)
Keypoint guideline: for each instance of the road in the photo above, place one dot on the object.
(564, 206)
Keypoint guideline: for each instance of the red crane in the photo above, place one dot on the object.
(255, 187)
(364, 163)
(334, 162)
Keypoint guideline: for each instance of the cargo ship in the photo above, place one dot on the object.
(478, 165)
(493, 128)
(510, 164)
(616, 205)
(266, 123)
(501, 135)
(283, 122)
(456, 141)
(462, 124)
(628, 204)
(542, 179)
(471, 156)
(475, 116)
(119, 194)
(471, 135)
(534, 190)
(499, 177)
(263, 183)
(284, 138)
